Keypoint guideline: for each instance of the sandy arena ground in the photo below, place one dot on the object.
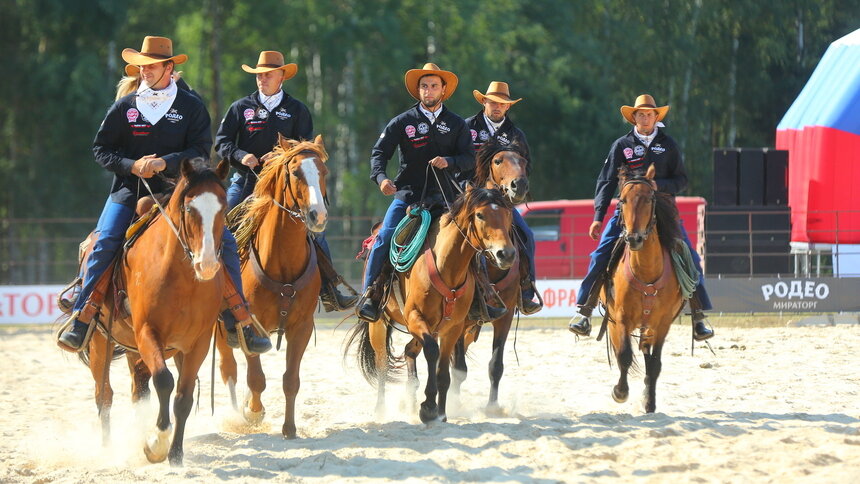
(773, 405)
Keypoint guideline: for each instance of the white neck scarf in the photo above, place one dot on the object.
(493, 126)
(271, 102)
(646, 139)
(152, 104)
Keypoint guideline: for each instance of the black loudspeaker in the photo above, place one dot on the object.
(726, 176)
(751, 177)
(776, 177)
(740, 236)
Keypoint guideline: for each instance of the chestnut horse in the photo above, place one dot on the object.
(174, 287)
(436, 295)
(279, 271)
(644, 293)
(504, 167)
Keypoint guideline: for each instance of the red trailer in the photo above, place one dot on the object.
(561, 232)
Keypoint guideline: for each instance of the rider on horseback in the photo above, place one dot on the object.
(250, 130)
(143, 134)
(644, 145)
(426, 133)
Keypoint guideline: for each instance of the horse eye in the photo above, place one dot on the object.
(497, 161)
(480, 216)
(295, 173)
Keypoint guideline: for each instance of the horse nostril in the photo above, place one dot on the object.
(505, 254)
(312, 216)
(514, 185)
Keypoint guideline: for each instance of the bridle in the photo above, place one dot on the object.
(651, 223)
(295, 211)
(181, 232)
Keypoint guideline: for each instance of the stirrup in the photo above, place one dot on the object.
(529, 307)
(67, 325)
(256, 327)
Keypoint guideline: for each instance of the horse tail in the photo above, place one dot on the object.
(359, 336)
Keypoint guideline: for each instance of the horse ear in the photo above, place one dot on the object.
(319, 141)
(223, 169)
(651, 172)
(185, 168)
(283, 142)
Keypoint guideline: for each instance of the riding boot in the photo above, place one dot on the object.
(78, 326)
(481, 309)
(701, 329)
(581, 323)
(527, 295)
(332, 299)
(238, 313)
(72, 339)
(369, 307)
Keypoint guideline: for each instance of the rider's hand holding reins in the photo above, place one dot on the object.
(147, 166)
(250, 160)
(594, 230)
(438, 162)
(387, 187)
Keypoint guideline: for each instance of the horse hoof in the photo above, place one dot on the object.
(495, 410)
(175, 459)
(619, 396)
(427, 415)
(156, 446)
(252, 417)
(288, 433)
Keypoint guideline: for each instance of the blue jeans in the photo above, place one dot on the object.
(379, 252)
(110, 234)
(520, 223)
(600, 259)
(241, 186)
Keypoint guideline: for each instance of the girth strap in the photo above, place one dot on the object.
(649, 291)
(450, 295)
(286, 291)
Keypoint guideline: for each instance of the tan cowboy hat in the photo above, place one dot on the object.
(271, 60)
(498, 92)
(153, 51)
(644, 101)
(132, 70)
(430, 69)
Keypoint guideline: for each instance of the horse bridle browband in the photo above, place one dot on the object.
(293, 212)
(653, 222)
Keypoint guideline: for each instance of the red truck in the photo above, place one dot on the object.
(561, 232)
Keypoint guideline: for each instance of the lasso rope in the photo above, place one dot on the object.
(685, 268)
(403, 256)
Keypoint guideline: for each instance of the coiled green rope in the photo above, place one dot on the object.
(685, 268)
(404, 256)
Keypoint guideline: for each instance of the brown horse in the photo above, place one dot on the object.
(279, 271)
(504, 167)
(436, 295)
(174, 285)
(644, 293)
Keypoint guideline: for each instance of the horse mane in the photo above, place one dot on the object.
(485, 155)
(472, 199)
(249, 214)
(201, 173)
(666, 211)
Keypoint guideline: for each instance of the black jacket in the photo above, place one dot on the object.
(507, 133)
(125, 136)
(419, 142)
(671, 176)
(250, 128)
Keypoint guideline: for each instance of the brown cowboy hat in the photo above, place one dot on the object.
(644, 101)
(132, 70)
(153, 51)
(498, 92)
(431, 69)
(272, 60)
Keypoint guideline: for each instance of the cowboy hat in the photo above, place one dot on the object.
(430, 69)
(153, 51)
(498, 92)
(132, 70)
(272, 60)
(644, 101)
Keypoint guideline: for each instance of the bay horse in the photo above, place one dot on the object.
(644, 293)
(504, 167)
(279, 269)
(436, 294)
(174, 284)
